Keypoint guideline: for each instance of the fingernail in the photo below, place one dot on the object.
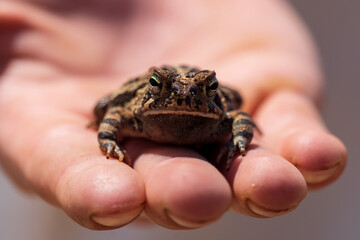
(187, 223)
(117, 219)
(263, 212)
(314, 177)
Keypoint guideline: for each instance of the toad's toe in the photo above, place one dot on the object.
(242, 149)
(119, 153)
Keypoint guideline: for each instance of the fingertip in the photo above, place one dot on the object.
(101, 194)
(266, 185)
(186, 193)
(320, 156)
(294, 129)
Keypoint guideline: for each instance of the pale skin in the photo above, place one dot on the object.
(57, 62)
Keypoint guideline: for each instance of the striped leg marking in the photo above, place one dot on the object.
(242, 134)
(108, 135)
(242, 130)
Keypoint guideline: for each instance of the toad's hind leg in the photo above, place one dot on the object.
(109, 136)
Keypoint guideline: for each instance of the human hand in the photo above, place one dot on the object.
(54, 69)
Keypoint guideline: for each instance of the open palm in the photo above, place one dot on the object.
(58, 61)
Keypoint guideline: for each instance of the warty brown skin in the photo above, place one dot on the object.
(179, 105)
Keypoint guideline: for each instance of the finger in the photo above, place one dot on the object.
(52, 39)
(264, 184)
(61, 161)
(182, 190)
(294, 129)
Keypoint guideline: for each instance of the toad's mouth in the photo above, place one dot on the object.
(181, 112)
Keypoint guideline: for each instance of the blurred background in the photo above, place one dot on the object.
(331, 213)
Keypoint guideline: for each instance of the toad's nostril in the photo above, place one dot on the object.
(192, 91)
(179, 101)
(175, 90)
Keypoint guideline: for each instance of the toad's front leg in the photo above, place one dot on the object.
(242, 134)
(109, 133)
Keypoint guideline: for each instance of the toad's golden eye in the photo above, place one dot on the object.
(212, 87)
(155, 83)
(155, 80)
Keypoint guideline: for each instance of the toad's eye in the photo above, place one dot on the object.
(155, 80)
(155, 83)
(212, 87)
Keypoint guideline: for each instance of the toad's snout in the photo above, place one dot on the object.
(187, 90)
